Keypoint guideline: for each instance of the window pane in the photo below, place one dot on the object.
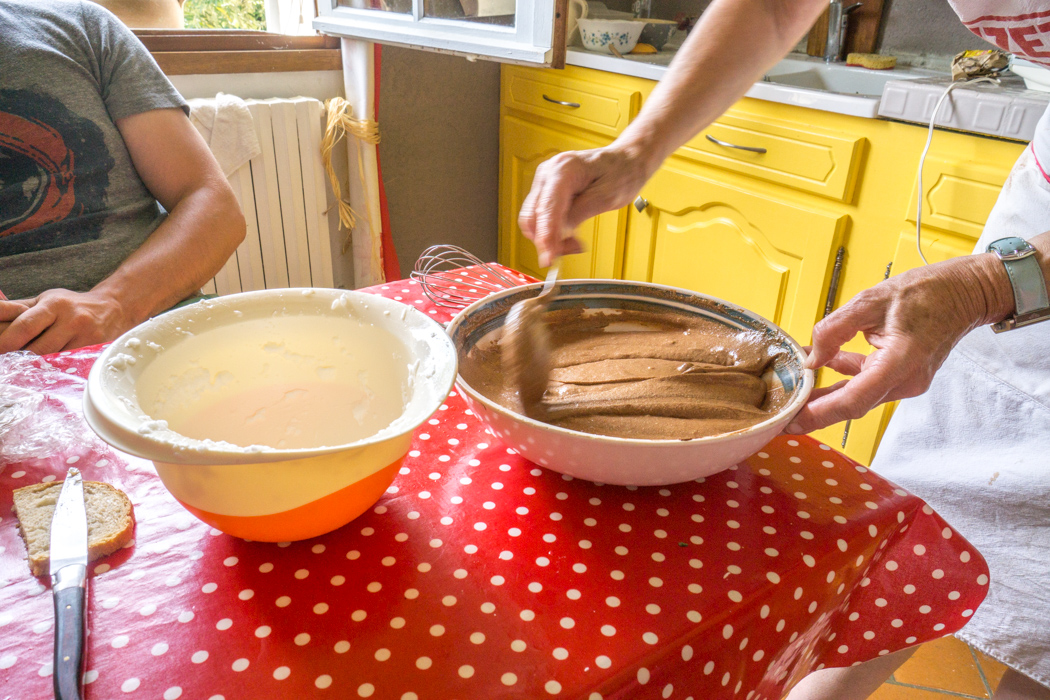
(499, 12)
(400, 6)
(219, 14)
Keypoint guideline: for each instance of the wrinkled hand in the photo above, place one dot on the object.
(913, 321)
(60, 319)
(572, 187)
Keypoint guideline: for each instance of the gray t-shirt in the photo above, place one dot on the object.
(72, 206)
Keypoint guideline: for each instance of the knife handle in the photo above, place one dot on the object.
(69, 587)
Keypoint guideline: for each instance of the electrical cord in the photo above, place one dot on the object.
(922, 158)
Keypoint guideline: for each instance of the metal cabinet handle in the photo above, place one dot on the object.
(641, 203)
(574, 105)
(752, 149)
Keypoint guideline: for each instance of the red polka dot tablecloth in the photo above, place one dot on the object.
(481, 575)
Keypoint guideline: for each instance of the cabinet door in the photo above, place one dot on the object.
(958, 195)
(773, 258)
(523, 146)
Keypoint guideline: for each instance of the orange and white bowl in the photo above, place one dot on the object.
(275, 415)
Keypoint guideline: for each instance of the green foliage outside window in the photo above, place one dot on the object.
(224, 14)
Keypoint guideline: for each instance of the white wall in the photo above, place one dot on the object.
(261, 86)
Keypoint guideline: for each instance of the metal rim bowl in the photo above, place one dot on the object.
(623, 461)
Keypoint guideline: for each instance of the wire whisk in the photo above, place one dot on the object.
(453, 278)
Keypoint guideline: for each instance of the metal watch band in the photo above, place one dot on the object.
(1026, 278)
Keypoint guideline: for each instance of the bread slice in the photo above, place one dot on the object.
(111, 520)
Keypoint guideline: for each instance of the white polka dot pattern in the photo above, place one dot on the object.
(485, 576)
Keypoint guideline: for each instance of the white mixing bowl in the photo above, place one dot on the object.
(614, 460)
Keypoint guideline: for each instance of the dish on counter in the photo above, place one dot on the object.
(600, 34)
(1036, 77)
(632, 460)
(657, 32)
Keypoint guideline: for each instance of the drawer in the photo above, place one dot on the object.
(603, 109)
(804, 158)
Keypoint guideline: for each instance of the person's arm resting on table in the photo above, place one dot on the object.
(202, 230)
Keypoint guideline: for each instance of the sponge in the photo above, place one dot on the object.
(871, 60)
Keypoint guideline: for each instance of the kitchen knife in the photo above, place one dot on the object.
(69, 556)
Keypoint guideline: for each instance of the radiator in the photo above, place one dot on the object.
(286, 203)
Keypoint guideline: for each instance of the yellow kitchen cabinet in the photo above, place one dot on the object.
(577, 98)
(546, 112)
(962, 177)
(773, 258)
(760, 230)
(523, 147)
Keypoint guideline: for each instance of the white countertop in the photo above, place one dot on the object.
(797, 80)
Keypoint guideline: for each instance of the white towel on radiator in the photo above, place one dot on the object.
(226, 125)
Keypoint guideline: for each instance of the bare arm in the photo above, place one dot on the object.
(203, 228)
(734, 44)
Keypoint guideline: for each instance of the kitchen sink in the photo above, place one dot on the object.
(798, 79)
(836, 77)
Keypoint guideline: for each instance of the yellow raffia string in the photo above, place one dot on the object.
(340, 122)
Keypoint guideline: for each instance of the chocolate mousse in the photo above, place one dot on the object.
(641, 374)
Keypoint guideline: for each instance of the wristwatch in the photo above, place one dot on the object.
(1026, 278)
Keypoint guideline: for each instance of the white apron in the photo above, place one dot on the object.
(976, 447)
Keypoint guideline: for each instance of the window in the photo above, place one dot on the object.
(519, 31)
(224, 14)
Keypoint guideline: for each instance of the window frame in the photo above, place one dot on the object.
(203, 51)
(537, 37)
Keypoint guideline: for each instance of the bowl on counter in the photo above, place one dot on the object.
(275, 415)
(1036, 77)
(600, 34)
(627, 461)
(657, 32)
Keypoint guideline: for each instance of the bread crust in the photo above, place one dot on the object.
(107, 531)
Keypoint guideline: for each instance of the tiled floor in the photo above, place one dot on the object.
(944, 669)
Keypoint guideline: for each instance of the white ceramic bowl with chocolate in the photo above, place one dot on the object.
(649, 384)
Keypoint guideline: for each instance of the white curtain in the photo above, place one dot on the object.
(290, 17)
(363, 186)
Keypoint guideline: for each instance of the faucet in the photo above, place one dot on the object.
(838, 20)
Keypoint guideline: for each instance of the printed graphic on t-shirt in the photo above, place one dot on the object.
(1020, 27)
(54, 170)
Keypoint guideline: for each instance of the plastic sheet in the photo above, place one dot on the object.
(39, 407)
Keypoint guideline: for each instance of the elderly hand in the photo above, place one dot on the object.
(913, 321)
(572, 187)
(60, 319)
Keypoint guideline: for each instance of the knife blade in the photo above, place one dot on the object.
(69, 557)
